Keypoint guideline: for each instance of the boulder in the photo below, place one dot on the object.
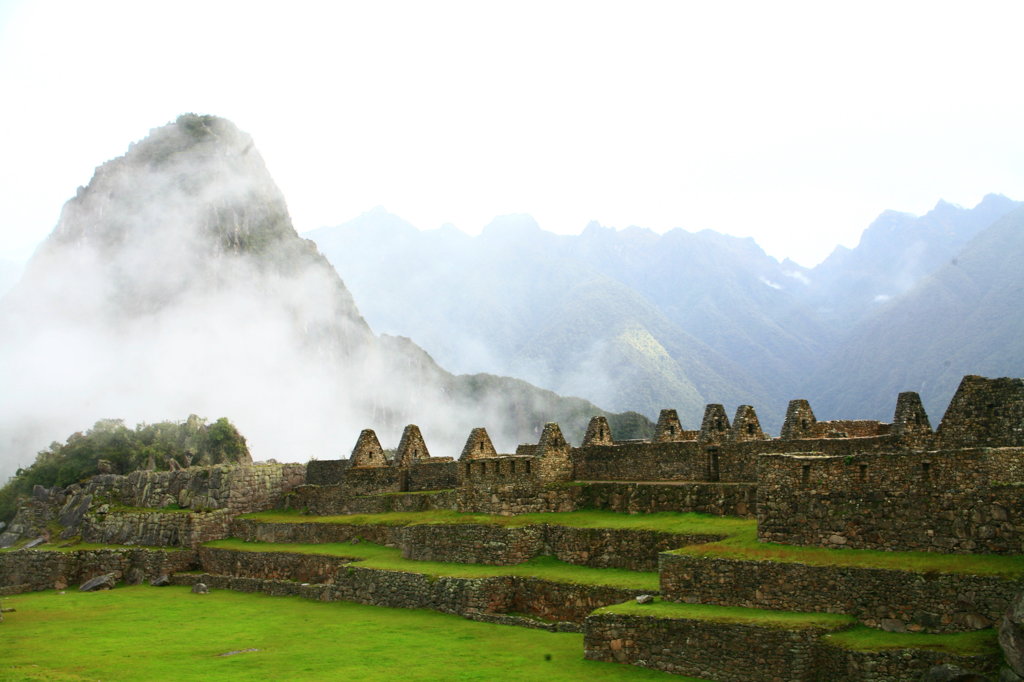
(200, 588)
(35, 543)
(107, 581)
(644, 599)
(161, 581)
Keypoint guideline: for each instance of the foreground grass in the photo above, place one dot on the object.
(744, 545)
(148, 633)
(665, 522)
(977, 643)
(786, 620)
(370, 555)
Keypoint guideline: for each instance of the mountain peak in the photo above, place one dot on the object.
(197, 180)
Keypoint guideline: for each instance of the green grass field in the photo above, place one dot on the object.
(785, 620)
(148, 633)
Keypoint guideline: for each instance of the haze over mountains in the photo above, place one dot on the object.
(174, 283)
(639, 321)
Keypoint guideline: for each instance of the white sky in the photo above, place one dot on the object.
(794, 123)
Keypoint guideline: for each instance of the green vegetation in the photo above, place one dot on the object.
(667, 522)
(390, 559)
(148, 633)
(739, 538)
(743, 545)
(979, 642)
(123, 450)
(787, 620)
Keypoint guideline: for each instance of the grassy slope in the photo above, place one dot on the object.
(979, 642)
(666, 522)
(786, 620)
(370, 555)
(146, 633)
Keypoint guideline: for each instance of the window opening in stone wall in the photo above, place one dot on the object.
(926, 470)
(527, 466)
(713, 474)
(805, 473)
(750, 429)
(863, 472)
(803, 424)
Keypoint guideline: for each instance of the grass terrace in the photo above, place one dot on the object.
(370, 555)
(743, 545)
(739, 538)
(665, 522)
(783, 620)
(860, 638)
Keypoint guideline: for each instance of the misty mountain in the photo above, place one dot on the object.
(895, 252)
(174, 283)
(965, 318)
(630, 319)
(639, 321)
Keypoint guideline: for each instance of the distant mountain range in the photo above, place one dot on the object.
(634, 320)
(174, 283)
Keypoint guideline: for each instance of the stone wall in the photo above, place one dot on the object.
(314, 533)
(326, 472)
(33, 570)
(238, 489)
(331, 500)
(842, 665)
(518, 499)
(750, 653)
(721, 499)
(714, 651)
(155, 528)
(372, 480)
(635, 550)
(984, 412)
(432, 474)
(469, 597)
(898, 600)
(941, 501)
(472, 544)
(294, 566)
(729, 461)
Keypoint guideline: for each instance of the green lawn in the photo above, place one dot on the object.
(861, 638)
(370, 555)
(744, 545)
(666, 522)
(786, 620)
(148, 633)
